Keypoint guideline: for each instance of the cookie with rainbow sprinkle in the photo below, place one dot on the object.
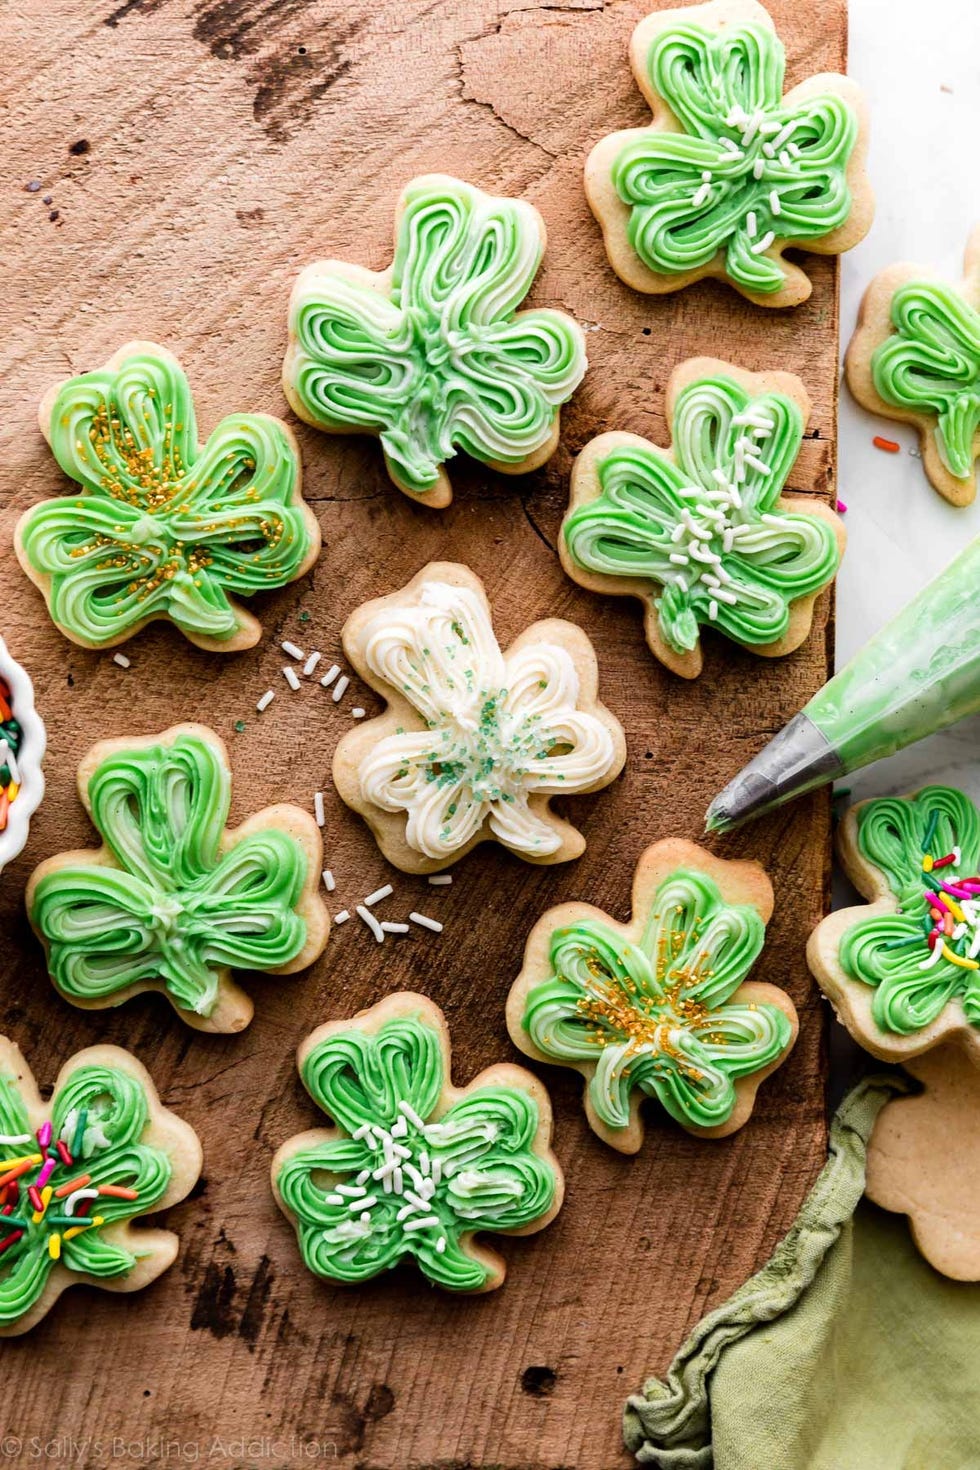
(704, 533)
(731, 173)
(915, 358)
(414, 1169)
(77, 1172)
(903, 970)
(159, 526)
(660, 1007)
(476, 742)
(174, 900)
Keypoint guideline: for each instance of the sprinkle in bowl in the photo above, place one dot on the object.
(22, 746)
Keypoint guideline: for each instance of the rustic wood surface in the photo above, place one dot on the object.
(192, 156)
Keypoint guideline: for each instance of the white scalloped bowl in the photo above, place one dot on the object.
(29, 757)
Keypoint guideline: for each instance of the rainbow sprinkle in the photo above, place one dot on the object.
(952, 930)
(11, 736)
(45, 1192)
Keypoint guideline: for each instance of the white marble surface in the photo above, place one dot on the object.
(919, 64)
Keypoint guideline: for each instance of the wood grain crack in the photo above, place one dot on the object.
(467, 94)
(536, 528)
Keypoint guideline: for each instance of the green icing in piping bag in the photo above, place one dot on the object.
(919, 674)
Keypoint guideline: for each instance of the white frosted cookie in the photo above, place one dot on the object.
(475, 742)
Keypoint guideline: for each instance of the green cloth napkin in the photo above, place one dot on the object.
(845, 1352)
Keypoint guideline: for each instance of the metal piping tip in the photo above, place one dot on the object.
(716, 818)
(799, 758)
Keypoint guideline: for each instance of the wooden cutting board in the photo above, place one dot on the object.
(192, 157)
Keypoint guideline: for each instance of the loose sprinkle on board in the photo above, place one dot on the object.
(121, 660)
(888, 445)
(311, 663)
(378, 895)
(289, 674)
(292, 650)
(265, 701)
(329, 881)
(318, 808)
(357, 713)
(342, 917)
(440, 880)
(340, 688)
(425, 922)
(371, 922)
(390, 928)
(330, 675)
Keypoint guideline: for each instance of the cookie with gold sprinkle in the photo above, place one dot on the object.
(659, 1007)
(159, 526)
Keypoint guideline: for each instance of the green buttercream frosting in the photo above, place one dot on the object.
(746, 170)
(930, 364)
(705, 527)
(917, 970)
(657, 1016)
(170, 903)
(406, 1177)
(100, 1115)
(162, 528)
(435, 357)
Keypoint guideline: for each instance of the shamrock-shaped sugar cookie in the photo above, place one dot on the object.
(475, 742)
(415, 1168)
(173, 900)
(702, 533)
(659, 1007)
(432, 355)
(903, 971)
(915, 357)
(731, 172)
(76, 1171)
(924, 1160)
(159, 527)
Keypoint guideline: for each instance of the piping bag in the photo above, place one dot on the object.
(920, 673)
